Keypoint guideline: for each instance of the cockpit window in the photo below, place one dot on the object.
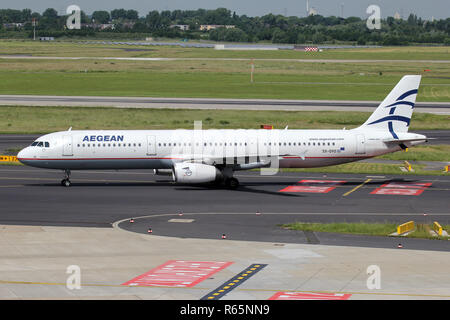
(40, 144)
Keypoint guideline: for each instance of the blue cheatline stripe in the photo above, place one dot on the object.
(391, 130)
(394, 118)
(392, 111)
(406, 94)
(401, 102)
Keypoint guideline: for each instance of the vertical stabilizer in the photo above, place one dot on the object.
(394, 113)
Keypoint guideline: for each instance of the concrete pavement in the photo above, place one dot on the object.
(34, 259)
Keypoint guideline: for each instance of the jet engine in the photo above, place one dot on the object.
(195, 173)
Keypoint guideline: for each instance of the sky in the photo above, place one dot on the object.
(439, 9)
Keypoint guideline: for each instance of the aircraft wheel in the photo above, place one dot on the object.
(232, 183)
(65, 183)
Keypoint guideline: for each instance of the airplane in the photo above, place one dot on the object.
(213, 155)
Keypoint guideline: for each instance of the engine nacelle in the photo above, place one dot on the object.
(195, 173)
(162, 172)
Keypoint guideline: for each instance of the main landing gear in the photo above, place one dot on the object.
(66, 181)
(227, 178)
(231, 183)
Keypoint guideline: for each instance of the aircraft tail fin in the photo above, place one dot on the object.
(394, 113)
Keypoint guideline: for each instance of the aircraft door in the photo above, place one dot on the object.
(360, 144)
(151, 145)
(67, 146)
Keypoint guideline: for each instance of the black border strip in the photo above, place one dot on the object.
(231, 284)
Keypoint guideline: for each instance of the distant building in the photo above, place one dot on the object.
(128, 24)
(182, 27)
(312, 12)
(105, 26)
(207, 27)
(13, 25)
(46, 38)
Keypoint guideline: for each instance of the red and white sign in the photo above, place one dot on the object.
(311, 49)
(402, 188)
(309, 296)
(178, 273)
(314, 186)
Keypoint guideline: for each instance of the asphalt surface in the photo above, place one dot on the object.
(221, 104)
(30, 196)
(267, 227)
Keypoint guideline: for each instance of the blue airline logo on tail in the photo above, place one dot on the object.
(393, 117)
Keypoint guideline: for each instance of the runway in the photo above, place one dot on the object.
(221, 104)
(32, 196)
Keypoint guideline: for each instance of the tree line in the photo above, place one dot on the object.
(272, 28)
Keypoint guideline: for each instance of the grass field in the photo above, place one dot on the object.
(274, 79)
(363, 228)
(85, 49)
(422, 153)
(27, 120)
(371, 168)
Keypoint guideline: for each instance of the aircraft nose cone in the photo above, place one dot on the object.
(21, 155)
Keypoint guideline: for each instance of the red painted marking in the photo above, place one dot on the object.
(178, 273)
(309, 296)
(402, 188)
(314, 186)
(406, 185)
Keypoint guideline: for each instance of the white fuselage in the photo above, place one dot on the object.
(161, 149)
